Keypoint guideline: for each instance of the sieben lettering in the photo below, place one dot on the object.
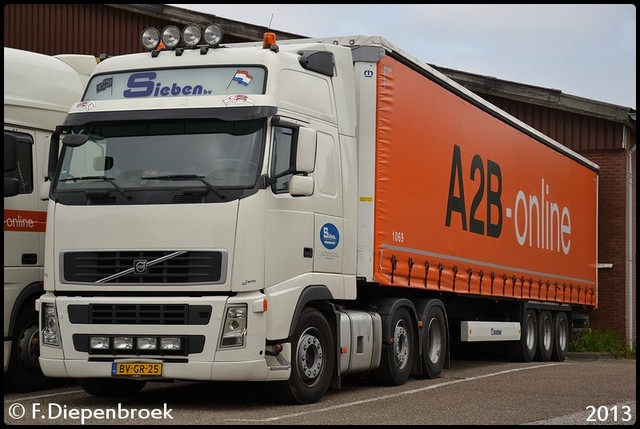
(143, 84)
(542, 217)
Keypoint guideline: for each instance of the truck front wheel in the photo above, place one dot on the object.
(313, 357)
(24, 373)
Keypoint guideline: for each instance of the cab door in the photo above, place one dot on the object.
(302, 233)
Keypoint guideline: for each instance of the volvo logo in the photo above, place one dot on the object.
(140, 266)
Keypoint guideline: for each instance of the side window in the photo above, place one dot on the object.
(24, 172)
(283, 158)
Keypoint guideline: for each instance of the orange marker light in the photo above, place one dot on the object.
(268, 40)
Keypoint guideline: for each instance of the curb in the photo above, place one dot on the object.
(589, 356)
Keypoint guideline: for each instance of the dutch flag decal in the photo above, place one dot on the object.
(243, 77)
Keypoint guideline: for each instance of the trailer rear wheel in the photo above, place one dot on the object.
(524, 350)
(560, 336)
(313, 357)
(397, 354)
(545, 336)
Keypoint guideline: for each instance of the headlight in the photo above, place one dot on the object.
(235, 327)
(50, 333)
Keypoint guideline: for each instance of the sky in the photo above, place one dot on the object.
(586, 50)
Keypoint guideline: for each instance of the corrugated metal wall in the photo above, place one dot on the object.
(81, 29)
(577, 132)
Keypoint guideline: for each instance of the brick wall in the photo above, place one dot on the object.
(612, 246)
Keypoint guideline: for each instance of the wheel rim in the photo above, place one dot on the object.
(310, 357)
(531, 329)
(29, 347)
(547, 329)
(435, 341)
(562, 334)
(401, 344)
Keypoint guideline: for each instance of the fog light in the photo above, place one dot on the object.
(99, 343)
(147, 343)
(170, 343)
(123, 343)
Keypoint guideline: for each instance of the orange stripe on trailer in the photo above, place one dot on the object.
(24, 221)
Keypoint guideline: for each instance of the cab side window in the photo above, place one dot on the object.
(283, 158)
(24, 171)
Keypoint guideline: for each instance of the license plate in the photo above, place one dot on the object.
(140, 369)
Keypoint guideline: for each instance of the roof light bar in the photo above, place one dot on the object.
(171, 36)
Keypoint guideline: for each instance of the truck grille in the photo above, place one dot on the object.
(140, 314)
(144, 267)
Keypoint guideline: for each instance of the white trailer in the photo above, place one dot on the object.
(38, 92)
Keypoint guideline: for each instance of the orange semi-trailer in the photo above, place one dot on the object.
(466, 202)
(300, 212)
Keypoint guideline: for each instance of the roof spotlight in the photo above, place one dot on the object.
(171, 36)
(213, 35)
(191, 35)
(150, 38)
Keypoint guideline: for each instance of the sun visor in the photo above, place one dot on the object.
(224, 114)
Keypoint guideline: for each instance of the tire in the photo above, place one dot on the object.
(434, 350)
(545, 336)
(561, 336)
(111, 388)
(24, 373)
(524, 350)
(312, 361)
(396, 361)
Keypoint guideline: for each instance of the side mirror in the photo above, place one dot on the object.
(301, 186)
(103, 163)
(10, 152)
(306, 150)
(11, 184)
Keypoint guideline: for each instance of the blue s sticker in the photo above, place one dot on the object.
(329, 236)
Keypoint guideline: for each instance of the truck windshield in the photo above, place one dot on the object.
(213, 154)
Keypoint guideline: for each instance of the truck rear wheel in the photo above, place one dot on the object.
(560, 336)
(435, 342)
(313, 357)
(397, 357)
(111, 388)
(524, 350)
(545, 336)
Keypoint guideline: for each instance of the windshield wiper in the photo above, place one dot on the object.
(187, 177)
(111, 180)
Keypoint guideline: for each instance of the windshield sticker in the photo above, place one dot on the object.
(179, 82)
(242, 77)
(237, 98)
